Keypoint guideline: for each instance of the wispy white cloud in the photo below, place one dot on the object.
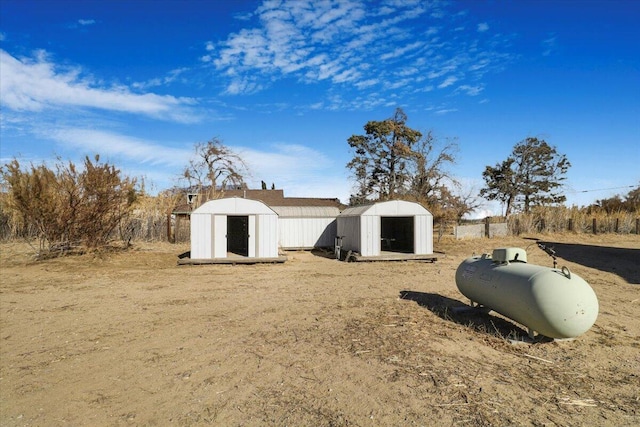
(446, 111)
(549, 45)
(355, 44)
(85, 22)
(36, 84)
(362, 84)
(171, 77)
(301, 170)
(243, 16)
(401, 51)
(480, 64)
(448, 82)
(470, 90)
(114, 145)
(243, 85)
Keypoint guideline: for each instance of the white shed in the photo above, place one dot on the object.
(243, 227)
(306, 227)
(395, 226)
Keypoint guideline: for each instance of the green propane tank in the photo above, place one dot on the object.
(552, 302)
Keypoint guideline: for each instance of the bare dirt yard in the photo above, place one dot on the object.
(130, 338)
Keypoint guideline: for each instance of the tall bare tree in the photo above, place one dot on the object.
(429, 171)
(214, 168)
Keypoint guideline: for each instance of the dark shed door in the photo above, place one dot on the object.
(238, 235)
(397, 234)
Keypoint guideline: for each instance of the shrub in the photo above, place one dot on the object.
(68, 207)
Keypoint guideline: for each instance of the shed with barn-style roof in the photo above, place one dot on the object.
(234, 229)
(393, 229)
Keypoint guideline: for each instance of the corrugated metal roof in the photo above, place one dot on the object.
(234, 205)
(270, 198)
(306, 211)
(277, 198)
(355, 210)
(389, 208)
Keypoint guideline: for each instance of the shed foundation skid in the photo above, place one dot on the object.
(393, 257)
(232, 260)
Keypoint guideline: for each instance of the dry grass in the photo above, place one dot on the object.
(130, 338)
(575, 220)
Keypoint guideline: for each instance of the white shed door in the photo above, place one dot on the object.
(252, 236)
(219, 236)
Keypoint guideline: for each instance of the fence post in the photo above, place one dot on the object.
(570, 225)
(487, 228)
(637, 225)
(594, 226)
(615, 230)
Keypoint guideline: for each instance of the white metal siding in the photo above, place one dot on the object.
(349, 229)
(266, 231)
(423, 235)
(219, 236)
(200, 236)
(326, 235)
(252, 252)
(370, 235)
(306, 233)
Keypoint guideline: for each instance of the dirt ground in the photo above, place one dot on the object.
(131, 338)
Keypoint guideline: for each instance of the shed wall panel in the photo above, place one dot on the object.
(349, 228)
(370, 235)
(252, 253)
(266, 231)
(219, 237)
(200, 236)
(306, 233)
(423, 234)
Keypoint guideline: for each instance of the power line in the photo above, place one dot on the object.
(601, 189)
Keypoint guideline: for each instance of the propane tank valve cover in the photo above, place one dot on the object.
(509, 255)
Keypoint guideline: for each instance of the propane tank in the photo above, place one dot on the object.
(552, 302)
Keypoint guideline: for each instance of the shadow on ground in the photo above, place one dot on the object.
(620, 261)
(323, 253)
(477, 319)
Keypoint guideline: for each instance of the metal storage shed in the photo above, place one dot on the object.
(386, 228)
(306, 227)
(234, 227)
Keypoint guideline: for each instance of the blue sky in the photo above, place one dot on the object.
(286, 83)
